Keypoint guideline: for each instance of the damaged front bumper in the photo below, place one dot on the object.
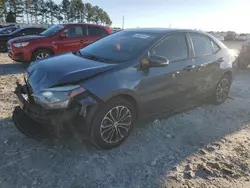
(35, 121)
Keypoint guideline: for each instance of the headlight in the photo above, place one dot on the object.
(58, 97)
(21, 44)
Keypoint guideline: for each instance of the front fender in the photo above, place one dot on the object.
(125, 92)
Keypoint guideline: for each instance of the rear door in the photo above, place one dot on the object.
(75, 36)
(95, 33)
(166, 88)
(207, 57)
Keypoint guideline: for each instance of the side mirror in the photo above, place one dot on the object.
(158, 61)
(63, 35)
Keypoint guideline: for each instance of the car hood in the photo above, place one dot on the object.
(25, 38)
(63, 69)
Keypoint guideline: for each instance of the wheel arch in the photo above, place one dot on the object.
(230, 75)
(127, 95)
(42, 48)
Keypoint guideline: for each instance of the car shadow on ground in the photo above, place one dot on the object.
(14, 68)
(144, 160)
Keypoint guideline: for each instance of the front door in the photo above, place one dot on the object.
(166, 88)
(75, 37)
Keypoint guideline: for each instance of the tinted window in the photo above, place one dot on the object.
(173, 48)
(75, 31)
(121, 46)
(97, 31)
(30, 31)
(202, 45)
(53, 30)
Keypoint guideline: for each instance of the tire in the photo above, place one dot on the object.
(41, 54)
(106, 133)
(221, 91)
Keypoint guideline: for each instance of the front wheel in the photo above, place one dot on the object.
(113, 123)
(222, 89)
(41, 54)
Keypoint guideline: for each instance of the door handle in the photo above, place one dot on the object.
(189, 67)
(220, 60)
(81, 41)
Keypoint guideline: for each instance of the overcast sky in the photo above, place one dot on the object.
(198, 14)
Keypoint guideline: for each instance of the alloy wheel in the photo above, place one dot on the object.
(115, 124)
(222, 90)
(42, 56)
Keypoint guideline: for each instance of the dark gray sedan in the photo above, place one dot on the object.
(129, 75)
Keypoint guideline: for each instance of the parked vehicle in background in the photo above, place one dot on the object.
(230, 35)
(8, 30)
(219, 37)
(58, 39)
(243, 36)
(243, 59)
(7, 25)
(17, 33)
(124, 77)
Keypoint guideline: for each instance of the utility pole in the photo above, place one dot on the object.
(123, 22)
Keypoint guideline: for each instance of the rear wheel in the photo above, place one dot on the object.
(222, 89)
(113, 123)
(41, 54)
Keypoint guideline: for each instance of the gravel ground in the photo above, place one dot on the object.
(204, 147)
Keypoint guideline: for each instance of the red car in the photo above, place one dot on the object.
(58, 39)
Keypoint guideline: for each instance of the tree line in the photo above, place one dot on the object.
(48, 12)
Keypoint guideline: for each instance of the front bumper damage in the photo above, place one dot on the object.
(36, 122)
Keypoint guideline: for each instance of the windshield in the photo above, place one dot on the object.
(7, 30)
(120, 46)
(52, 30)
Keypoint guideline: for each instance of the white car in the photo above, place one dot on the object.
(219, 37)
(243, 37)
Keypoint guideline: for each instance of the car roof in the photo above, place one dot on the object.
(84, 24)
(161, 30)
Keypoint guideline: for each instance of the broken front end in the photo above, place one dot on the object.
(44, 113)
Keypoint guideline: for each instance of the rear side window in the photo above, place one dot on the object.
(28, 31)
(202, 45)
(37, 31)
(75, 31)
(174, 48)
(97, 31)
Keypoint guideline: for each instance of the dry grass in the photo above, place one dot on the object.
(7, 86)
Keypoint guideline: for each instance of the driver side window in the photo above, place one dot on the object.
(75, 31)
(174, 48)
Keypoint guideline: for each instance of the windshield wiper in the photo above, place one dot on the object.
(97, 58)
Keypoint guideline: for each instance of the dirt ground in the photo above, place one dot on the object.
(206, 147)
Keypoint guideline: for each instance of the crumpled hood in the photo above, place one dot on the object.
(25, 38)
(62, 69)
